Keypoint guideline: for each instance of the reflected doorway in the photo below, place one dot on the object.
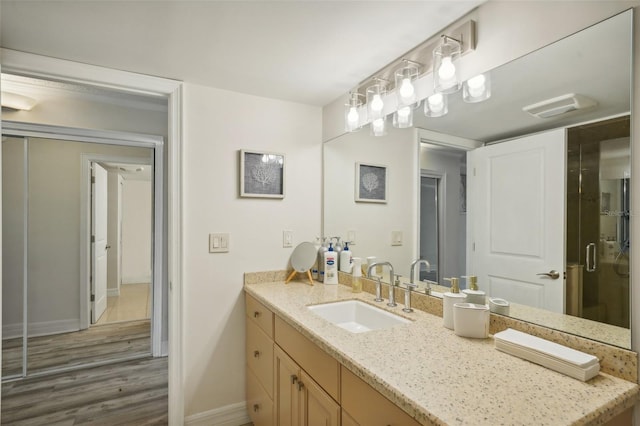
(429, 227)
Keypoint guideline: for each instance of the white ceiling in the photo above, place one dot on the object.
(310, 52)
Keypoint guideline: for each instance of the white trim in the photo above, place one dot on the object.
(113, 292)
(45, 328)
(429, 136)
(14, 62)
(139, 279)
(229, 415)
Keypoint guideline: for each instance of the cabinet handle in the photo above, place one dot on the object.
(256, 407)
(294, 379)
(256, 354)
(256, 314)
(300, 386)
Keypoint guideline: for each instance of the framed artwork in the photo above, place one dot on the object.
(371, 183)
(261, 174)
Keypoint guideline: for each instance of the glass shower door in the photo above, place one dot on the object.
(598, 242)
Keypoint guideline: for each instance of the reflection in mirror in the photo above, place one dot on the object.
(597, 300)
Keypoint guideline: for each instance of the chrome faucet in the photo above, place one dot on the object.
(411, 274)
(407, 297)
(392, 296)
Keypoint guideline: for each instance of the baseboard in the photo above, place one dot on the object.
(230, 415)
(140, 279)
(111, 292)
(47, 328)
(164, 349)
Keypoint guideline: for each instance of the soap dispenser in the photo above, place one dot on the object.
(356, 279)
(330, 266)
(449, 299)
(345, 258)
(474, 295)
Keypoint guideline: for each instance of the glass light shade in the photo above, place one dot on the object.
(352, 113)
(436, 105)
(375, 103)
(378, 127)
(403, 117)
(477, 89)
(405, 88)
(445, 70)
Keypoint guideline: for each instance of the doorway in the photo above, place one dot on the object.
(47, 263)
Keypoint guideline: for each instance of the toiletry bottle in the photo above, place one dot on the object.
(356, 279)
(448, 300)
(345, 258)
(338, 249)
(474, 295)
(330, 266)
(321, 251)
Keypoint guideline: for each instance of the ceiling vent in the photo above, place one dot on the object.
(560, 105)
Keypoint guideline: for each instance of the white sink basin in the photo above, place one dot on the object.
(356, 316)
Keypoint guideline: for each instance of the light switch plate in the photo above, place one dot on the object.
(218, 243)
(396, 238)
(287, 239)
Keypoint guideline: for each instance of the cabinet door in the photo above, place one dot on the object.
(287, 393)
(317, 407)
(259, 404)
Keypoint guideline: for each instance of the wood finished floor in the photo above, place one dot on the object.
(132, 393)
(101, 343)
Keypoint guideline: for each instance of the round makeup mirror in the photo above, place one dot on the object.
(302, 259)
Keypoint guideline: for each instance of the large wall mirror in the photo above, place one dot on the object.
(461, 197)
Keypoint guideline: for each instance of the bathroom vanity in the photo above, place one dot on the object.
(303, 368)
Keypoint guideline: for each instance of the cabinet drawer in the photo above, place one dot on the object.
(260, 314)
(367, 407)
(259, 405)
(321, 367)
(259, 354)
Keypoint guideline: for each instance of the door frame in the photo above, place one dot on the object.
(441, 193)
(27, 64)
(85, 246)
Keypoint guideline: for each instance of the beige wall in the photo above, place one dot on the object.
(217, 124)
(136, 231)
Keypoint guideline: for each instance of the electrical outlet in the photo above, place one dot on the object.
(218, 243)
(287, 239)
(396, 238)
(351, 237)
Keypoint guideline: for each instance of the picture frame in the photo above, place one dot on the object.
(262, 174)
(371, 183)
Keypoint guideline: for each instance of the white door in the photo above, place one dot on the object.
(517, 214)
(98, 241)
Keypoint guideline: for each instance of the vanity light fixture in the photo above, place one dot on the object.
(16, 101)
(445, 72)
(378, 127)
(477, 89)
(352, 112)
(436, 105)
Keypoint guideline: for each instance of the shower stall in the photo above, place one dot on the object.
(598, 195)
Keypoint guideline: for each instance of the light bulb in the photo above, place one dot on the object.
(447, 70)
(403, 116)
(376, 103)
(353, 117)
(436, 102)
(378, 126)
(406, 89)
(476, 85)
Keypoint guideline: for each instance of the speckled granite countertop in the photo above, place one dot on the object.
(440, 378)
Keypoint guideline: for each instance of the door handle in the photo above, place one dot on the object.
(553, 274)
(107, 247)
(591, 255)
